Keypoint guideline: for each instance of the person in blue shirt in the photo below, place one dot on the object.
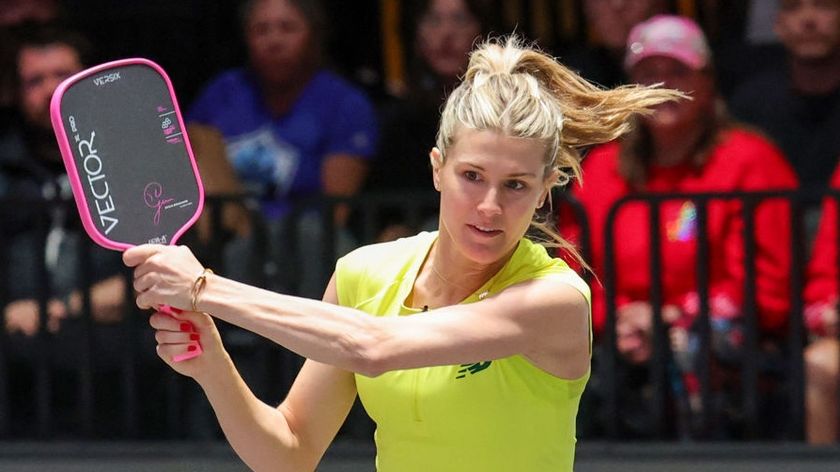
(292, 129)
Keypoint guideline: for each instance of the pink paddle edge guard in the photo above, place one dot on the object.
(70, 163)
(76, 182)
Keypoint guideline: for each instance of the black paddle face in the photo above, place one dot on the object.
(127, 155)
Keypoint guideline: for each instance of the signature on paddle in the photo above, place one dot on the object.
(152, 195)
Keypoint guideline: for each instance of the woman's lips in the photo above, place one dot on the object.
(484, 231)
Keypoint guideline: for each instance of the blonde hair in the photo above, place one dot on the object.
(521, 92)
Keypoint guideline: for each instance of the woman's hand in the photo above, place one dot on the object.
(163, 275)
(180, 334)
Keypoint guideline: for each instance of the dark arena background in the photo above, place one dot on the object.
(92, 396)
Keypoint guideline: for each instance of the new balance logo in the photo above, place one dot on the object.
(472, 368)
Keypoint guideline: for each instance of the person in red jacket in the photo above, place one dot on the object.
(822, 356)
(685, 147)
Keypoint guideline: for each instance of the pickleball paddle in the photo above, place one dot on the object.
(128, 157)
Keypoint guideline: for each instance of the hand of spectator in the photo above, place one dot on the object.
(634, 328)
(163, 275)
(107, 300)
(830, 320)
(178, 336)
(22, 316)
(634, 323)
(342, 175)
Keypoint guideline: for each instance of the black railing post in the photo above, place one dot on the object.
(130, 388)
(329, 238)
(660, 361)
(796, 334)
(85, 357)
(174, 401)
(610, 371)
(704, 319)
(5, 407)
(43, 377)
(749, 375)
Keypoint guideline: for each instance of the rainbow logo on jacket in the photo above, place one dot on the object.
(684, 227)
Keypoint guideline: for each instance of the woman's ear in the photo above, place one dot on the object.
(543, 199)
(436, 158)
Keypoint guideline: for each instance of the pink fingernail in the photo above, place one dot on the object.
(195, 337)
(186, 327)
(191, 348)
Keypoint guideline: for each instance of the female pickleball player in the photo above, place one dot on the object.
(469, 346)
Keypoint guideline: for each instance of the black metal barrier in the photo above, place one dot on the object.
(127, 393)
(661, 357)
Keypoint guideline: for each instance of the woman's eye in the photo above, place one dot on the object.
(516, 185)
(471, 175)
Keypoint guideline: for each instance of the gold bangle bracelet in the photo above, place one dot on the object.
(198, 286)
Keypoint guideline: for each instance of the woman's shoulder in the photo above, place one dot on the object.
(531, 261)
(387, 258)
(366, 270)
(391, 248)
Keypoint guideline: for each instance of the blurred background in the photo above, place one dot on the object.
(734, 364)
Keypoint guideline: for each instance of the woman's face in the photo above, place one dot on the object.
(490, 186)
(676, 75)
(810, 29)
(445, 36)
(279, 40)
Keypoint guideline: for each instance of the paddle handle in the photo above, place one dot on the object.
(171, 312)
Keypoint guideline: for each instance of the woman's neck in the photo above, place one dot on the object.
(447, 278)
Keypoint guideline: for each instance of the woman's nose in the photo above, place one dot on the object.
(490, 204)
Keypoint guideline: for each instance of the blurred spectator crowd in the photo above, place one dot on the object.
(312, 123)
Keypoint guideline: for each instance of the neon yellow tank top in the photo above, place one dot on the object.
(498, 415)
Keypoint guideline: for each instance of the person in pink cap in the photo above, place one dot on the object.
(668, 36)
(690, 146)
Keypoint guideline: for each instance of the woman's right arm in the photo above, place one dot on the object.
(292, 436)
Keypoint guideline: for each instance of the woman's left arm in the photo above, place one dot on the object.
(545, 320)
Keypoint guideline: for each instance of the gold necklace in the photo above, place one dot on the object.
(449, 282)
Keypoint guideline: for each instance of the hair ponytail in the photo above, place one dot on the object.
(522, 92)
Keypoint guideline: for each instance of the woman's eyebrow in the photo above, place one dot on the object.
(515, 174)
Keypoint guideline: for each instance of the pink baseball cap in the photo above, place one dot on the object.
(668, 35)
